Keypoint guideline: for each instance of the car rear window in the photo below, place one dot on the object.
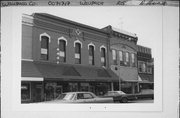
(65, 96)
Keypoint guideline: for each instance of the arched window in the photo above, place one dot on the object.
(121, 58)
(77, 54)
(127, 59)
(44, 47)
(91, 54)
(133, 60)
(114, 57)
(62, 50)
(103, 57)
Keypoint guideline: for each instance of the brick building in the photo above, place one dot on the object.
(59, 55)
(145, 68)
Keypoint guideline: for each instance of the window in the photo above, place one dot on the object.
(133, 60)
(88, 96)
(25, 91)
(114, 57)
(103, 57)
(91, 54)
(121, 58)
(141, 66)
(126, 59)
(62, 50)
(144, 67)
(77, 54)
(149, 68)
(84, 96)
(44, 47)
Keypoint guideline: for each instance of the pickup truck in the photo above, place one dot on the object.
(120, 96)
(80, 97)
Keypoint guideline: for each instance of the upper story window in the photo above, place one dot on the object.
(103, 56)
(133, 60)
(149, 68)
(114, 57)
(45, 39)
(126, 58)
(91, 54)
(121, 58)
(141, 67)
(62, 49)
(77, 54)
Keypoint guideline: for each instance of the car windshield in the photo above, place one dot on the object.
(65, 96)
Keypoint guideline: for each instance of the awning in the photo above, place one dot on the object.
(96, 73)
(53, 70)
(146, 78)
(66, 72)
(126, 74)
(32, 79)
(29, 69)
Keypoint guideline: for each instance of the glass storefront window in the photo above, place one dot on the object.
(84, 87)
(73, 87)
(25, 91)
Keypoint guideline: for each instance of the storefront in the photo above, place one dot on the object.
(57, 79)
(130, 87)
(146, 81)
(53, 88)
(31, 89)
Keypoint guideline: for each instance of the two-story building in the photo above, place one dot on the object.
(123, 62)
(59, 55)
(145, 68)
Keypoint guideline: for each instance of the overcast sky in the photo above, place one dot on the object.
(146, 22)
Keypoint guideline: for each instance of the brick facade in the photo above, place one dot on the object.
(75, 77)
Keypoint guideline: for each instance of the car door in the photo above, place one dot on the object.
(80, 98)
(88, 98)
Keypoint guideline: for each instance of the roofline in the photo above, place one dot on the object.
(68, 21)
(143, 46)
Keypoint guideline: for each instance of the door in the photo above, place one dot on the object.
(85, 98)
(58, 91)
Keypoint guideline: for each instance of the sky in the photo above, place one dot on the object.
(145, 22)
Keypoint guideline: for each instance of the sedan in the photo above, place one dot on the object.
(118, 96)
(80, 97)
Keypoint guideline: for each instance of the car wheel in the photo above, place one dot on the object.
(124, 100)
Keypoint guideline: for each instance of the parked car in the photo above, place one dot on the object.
(146, 93)
(80, 97)
(119, 96)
